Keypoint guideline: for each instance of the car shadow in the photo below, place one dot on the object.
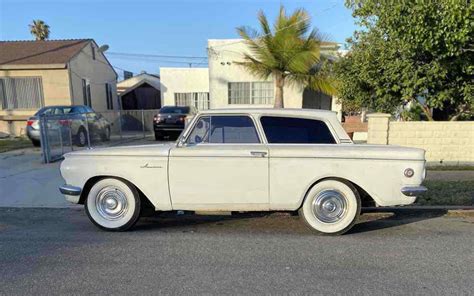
(277, 223)
(382, 219)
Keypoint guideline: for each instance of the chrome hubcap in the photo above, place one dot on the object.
(329, 206)
(111, 203)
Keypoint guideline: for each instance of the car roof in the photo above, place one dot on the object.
(273, 111)
(62, 106)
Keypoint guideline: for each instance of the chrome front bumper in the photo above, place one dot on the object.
(413, 190)
(70, 190)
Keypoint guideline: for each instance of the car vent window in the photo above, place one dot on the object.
(233, 129)
(200, 132)
(288, 130)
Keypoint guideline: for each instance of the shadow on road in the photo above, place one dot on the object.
(283, 223)
(393, 218)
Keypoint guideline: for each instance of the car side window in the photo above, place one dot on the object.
(233, 129)
(289, 130)
(200, 132)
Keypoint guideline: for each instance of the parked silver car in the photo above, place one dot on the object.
(73, 117)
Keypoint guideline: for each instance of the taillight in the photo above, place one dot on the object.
(64, 122)
(30, 122)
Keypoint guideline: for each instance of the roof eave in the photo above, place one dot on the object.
(33, 66)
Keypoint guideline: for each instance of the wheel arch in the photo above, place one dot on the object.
(366, 198)
(91, 181)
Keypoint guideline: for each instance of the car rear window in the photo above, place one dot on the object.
(289, 130)
(177, 110)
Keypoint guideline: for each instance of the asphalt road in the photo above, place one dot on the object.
(58, 251)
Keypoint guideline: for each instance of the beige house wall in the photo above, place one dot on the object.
(445, 142)
(55, 87)
(98, 72)
(182, 80)
(59, 89)
(56, 91)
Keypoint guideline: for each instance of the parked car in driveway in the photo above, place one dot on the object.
(73, 117)
(170, 120)
(247, 160)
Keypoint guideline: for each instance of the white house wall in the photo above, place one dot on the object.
(182, 80)
(223, 68)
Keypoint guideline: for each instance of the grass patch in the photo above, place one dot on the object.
(447, 193)
(13, 144)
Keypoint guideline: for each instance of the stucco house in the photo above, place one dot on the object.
(227, 84)
(140, 92)
(34, 74)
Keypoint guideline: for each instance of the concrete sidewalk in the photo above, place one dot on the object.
(27, 182)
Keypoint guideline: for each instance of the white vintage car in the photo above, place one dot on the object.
(246, 160)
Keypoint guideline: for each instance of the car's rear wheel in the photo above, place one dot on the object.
(331, 207)
(113, 204)
(81, 137)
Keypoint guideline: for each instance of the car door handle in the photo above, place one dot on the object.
(258, 153)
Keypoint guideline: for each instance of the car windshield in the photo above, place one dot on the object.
(176, 110)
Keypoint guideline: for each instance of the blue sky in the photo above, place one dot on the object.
(179, 27)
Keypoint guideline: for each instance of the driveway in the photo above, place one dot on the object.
(58, 251)
(25, 181)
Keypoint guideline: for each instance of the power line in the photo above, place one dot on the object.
(197, 62)
(153, 55)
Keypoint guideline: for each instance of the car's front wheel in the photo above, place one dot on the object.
(331, 207)
(113, 204)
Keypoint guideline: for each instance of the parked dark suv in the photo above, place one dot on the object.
(170, 121)
(73, 117)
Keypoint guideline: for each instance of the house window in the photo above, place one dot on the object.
(260, 92)
(108, 94)
(86, 92)
(200, 100)
(93, 51)
(21, 93)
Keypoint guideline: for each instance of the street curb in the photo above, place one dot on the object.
(418, 208)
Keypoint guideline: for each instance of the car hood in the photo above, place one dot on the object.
(137, 150)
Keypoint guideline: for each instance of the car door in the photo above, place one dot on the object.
(223, 165)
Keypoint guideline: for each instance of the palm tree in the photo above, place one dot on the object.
(290, 53)
(39, 29)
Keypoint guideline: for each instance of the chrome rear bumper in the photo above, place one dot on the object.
(70, 190)
(413, 190)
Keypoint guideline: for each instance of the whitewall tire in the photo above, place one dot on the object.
(331, 207)
(113, 204)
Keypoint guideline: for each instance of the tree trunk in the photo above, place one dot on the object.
(427, 112)
(279, 83)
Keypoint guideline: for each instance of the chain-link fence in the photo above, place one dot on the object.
(69, 132)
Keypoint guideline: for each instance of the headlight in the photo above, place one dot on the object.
(409, 173)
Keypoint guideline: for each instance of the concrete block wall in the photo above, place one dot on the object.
(445, 142)
(378, 128)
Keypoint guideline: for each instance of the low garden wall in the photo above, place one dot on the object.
(445, 142)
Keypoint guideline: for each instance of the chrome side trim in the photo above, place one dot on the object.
(413, 190)
(70, 190)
